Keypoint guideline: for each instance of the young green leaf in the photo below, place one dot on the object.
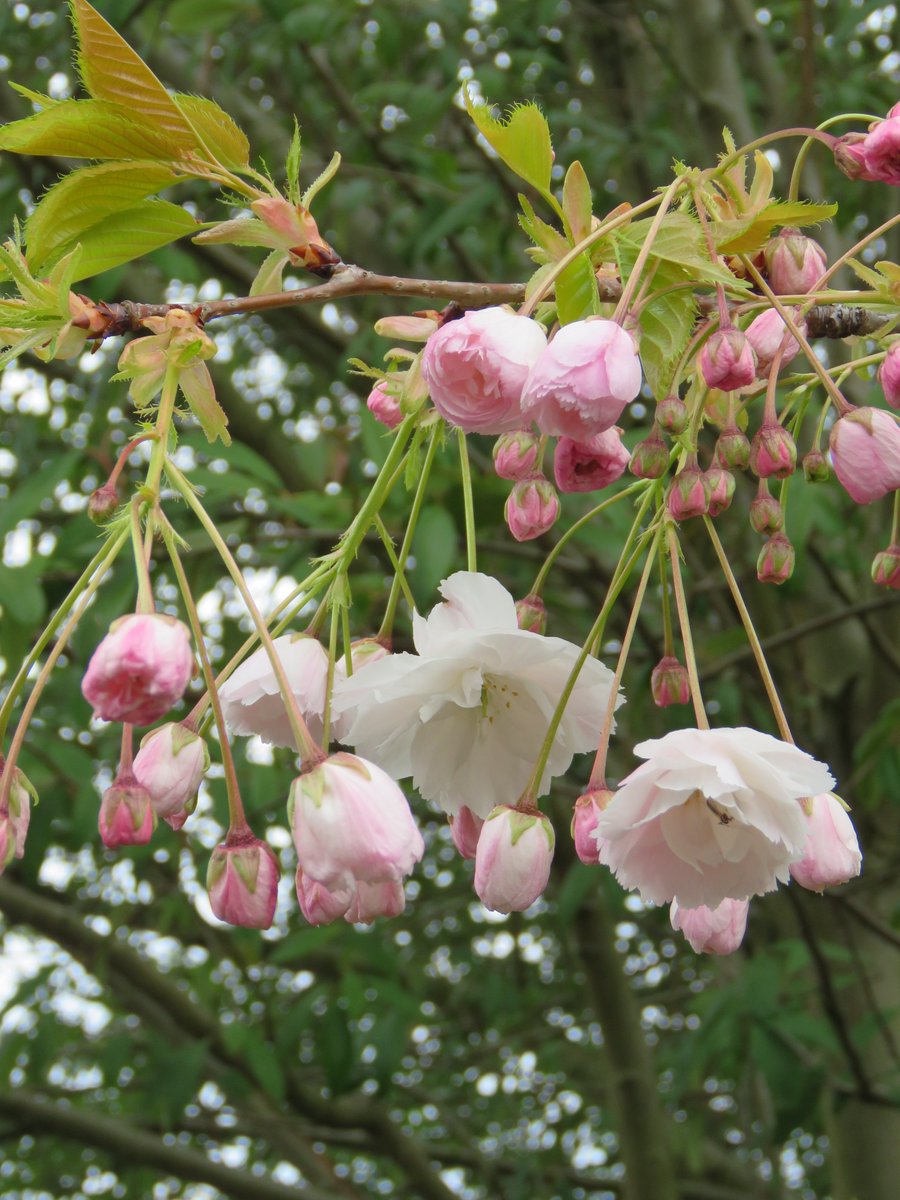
(577, 202)
(268, 277)
(744, 235)
(85, 129)
(132, 234)
(292, 165)
(576, 291)
(321, 180)
(225, 140)
(522, 140)
(542, 234)
(679, 240)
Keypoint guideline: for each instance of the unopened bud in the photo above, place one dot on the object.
(795, 263)
(776, 560)
(531, 613)
(650, 458)
(889, 376)
(669, 683)
(728, 360)
(733, 449)
(672, 415)
(886, 568)
(720, 485)
(103, 503)
(516, 454)
(531, 508)
(772, 451)
(465, 829)
(126, 813)
(384, 406)
(815, 467)
(588, 808)
(766, 514)
(688, 495)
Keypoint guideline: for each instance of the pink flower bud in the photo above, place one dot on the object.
(766, 514)
(815, 467)
(772, 451)
(170, 764)
(516, 454)
(850, 156)
(886, 567)
(865, 450)
(672, 415)
(242, 882)
(372, 900)
(795, 263)
(531, 614)
(102, 503)
(15, 819)
(669, 683)
(718, 930)
(532, 508)
(319, 905)
(720, 484)
(140, 669)
(406, 328)
(776, 560)
(590, 466)
(583, 380)
(768, 334)
(733, 449)
(728, 360)
(351, 823)
(383, 406)
(363, 652)
(831, 854)
(588, 807)
(688, 495)
(476, 367)
(126, 813)
(251, 698)
(889, 375)
(650, 458)
(465, 828)
(512, 860)
(295, 230)
(881, 152)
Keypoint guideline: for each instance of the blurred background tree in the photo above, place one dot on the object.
(580, 1050)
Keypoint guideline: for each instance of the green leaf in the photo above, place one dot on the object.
(225, 140)
(85, 129)
(85, 201)
(321, 180)
(666, 328)
(197, 386)
(541, 233)
(111, 70)
(132, 234)
(679, 240)
(268, 278)
(578, 206)
(292, 165)
(522, 140)
(746, 234)
(576, 291)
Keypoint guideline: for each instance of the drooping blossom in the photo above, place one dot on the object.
(126, 813)
(650, 458)
(242, 882)
(815, 466)
(352, 824)
(732, 449)
(669, 682)
(170, 764)
(373, 900)
(886, 567)
(768, 334)
(728, 360)
(772, 451)
(516, 455)
(384, 406)
(673, 415)
(465, 829)
(688, 494)
(583, 380)
(831, 854)
(590, 466)
(881, 150)
(475, 368)
(14, 820)
(140, 669)
(795, 263)
(775, 562)
(712, 814)
(465, 715)
(531, 613)
(720, 486)
(251, 698)
(865, 450)
(889, 375)
(319, 904)
(512, 859)
(585, 813)
(718, 930)
(766, 513)
(532, 508)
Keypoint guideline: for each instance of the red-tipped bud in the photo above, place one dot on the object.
(886, 568)
(795, 263)
(728, 360)
(772, 451)
(384, 406)
(242, 881)
(650, 458)
(766, 514)
(688, 495)
(815, 467)
(126, 813)
(672, 415)
(776, 560)
(669, 683)
(588, 808)
(889, 376)
(733, 449)
(531, 508)
(720, 484)
(103, 503)
(531, 613)
(516, 454)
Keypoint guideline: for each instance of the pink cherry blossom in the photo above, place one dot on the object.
(585, 815)
(532, 508)
(768, 334)
(140, 669)
(516, 454)
(251, 698)
(466, 828)
(728, 360)
(512, 859)
(889, 375)
(372, 900)
(881, 152)
(126, 813)
(718, 930)
(831, 854)
(319, 905)
(242, 882)
(795, 263)
(865, 450)
(590, 466)
(170, 764)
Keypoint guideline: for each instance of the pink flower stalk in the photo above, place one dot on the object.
(881, 151)
(516, 455)
(585, 814)
(590, 466)
(688, 495)
(772, 451)
(795, 263)
(720, 485)
(775, 563)
(140, 669)
(384, 407)
(766, 513)
(728, 360)
(831, 854)
(170, 764)
(889, 375)
(669, 683)
(465, 829)
(475, 368)
(242, 882)
(583, 380)
(319, 905)
(672, 415)
(372, 900)
(768, 334)
(865, 450)
(531, 614)
(650, 458)
(126, 813)
(532, 508)
(251, 698)
(718, 930)
(732, 449)
(352, 824)
(512, 860)
(886, 568)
